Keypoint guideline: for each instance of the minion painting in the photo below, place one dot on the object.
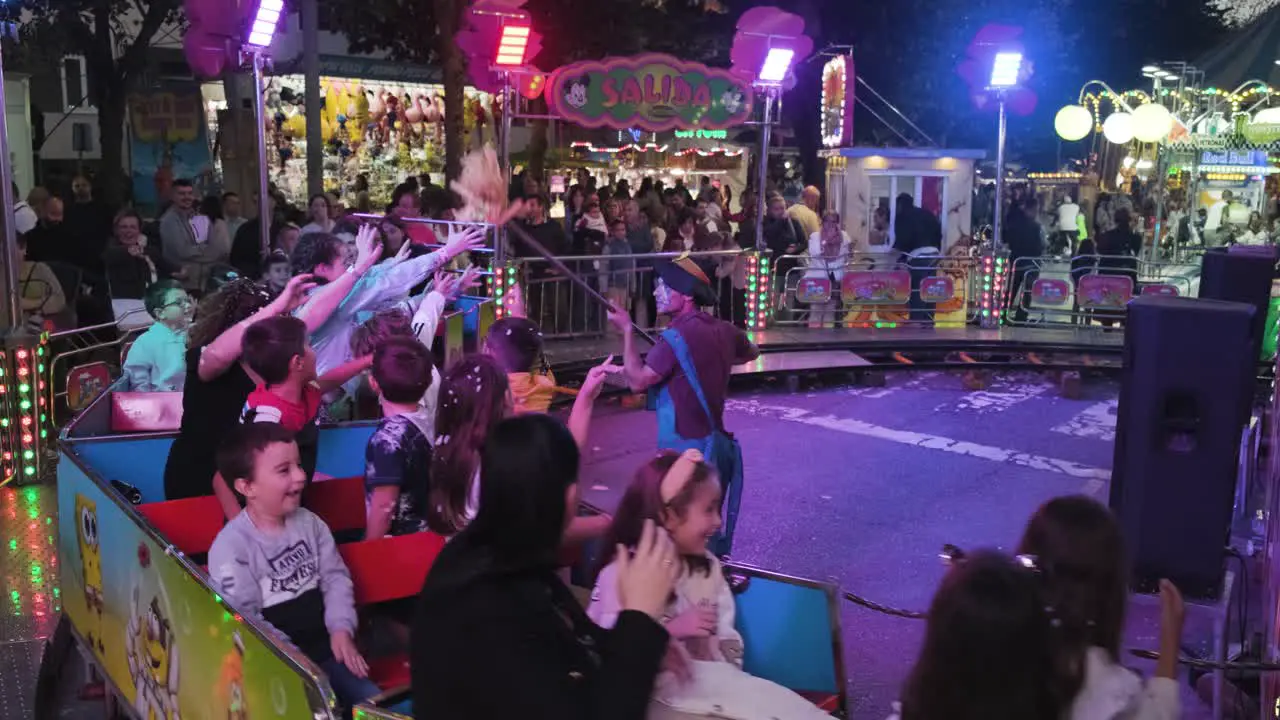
(153, 661)
(91, 568)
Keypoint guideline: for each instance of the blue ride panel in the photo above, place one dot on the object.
(788, 634)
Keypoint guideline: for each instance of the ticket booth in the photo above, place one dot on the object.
(862, 179)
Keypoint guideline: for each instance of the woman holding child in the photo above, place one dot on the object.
(494, 610)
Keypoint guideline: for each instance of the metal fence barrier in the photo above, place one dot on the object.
(1089, 291)
(564, 311)
(876, 290)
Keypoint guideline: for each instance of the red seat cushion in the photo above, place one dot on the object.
(190, 524)
(829, 702)
(390, 672)
(146, 411)
(339, 502)
(390, 568)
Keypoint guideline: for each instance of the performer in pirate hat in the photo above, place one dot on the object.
(687, 376)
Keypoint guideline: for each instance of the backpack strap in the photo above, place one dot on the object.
(681, 350)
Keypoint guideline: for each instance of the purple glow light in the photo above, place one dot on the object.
(265, 21)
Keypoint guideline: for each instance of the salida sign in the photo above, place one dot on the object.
(652, 92)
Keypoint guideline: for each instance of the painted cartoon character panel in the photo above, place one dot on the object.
(153, 660)
(231, 681)
(91, 568)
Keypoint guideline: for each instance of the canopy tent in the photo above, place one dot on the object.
(1249, 54)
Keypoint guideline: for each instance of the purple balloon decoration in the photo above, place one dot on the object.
(763, 28)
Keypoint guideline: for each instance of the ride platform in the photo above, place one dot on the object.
(789, 349)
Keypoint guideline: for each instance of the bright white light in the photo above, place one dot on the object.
(1004, 71)
(1150, 69)
(263, 29)
(776, 65)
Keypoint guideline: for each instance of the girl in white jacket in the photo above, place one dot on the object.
(1078, 544)
(703, 676)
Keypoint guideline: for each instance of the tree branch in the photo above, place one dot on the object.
(134, 58)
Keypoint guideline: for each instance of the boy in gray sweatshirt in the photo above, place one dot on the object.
(277, 560)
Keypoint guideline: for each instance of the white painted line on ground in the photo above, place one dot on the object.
(1093, 487)
(994, 401)
(1096, 422)
(850, 426)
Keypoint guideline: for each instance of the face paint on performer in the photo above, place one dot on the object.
(668, 301)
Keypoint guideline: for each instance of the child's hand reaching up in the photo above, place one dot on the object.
(345, 652)
(696, 622)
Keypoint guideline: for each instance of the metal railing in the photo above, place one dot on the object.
(76, 343)
(1089, 291)
(564, 311)
(876, 290)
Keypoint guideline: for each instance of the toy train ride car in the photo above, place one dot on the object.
(138, 603)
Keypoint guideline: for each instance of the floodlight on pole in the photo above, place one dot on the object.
(512, 46)
(265, 21)
(1005, 69)
(776, 65)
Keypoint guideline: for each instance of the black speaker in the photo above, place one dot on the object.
(1242, 273)
(1186, 389)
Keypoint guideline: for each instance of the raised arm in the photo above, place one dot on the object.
(339, 376)
(324, 301)
(218, 355)
(390, 281)
(640, 377)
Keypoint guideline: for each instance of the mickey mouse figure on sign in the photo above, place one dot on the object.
(575, 93)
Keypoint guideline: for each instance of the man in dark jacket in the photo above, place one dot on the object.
(917, 234)
(784, 236)
(1026, 241)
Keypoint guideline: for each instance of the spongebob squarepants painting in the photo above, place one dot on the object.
(91, 565)
(153, 660)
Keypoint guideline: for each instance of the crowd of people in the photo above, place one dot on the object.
(338, 320)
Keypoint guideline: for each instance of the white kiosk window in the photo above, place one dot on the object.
(927, 190)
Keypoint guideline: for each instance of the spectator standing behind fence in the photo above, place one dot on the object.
(619, 269)
(806, 211)
(829, 253)
(133, 262)
(186, 240)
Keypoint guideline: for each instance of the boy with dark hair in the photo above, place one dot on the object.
(516, 343)
(276, 271)
(277, 351)
(157, 360)
(277, 561)
(398, 456)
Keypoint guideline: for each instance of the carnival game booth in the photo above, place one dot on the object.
(385, 129)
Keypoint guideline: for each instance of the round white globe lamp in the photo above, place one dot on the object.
(1118, 128)
(1152, 123)
(1073, 122)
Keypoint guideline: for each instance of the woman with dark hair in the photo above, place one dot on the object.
(989, 649)
(217, 382)
(319, 214)
(1080, 549)
(494, 607)
(574, 206)
(132, 261)
(1119, 248)
(407, 203)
